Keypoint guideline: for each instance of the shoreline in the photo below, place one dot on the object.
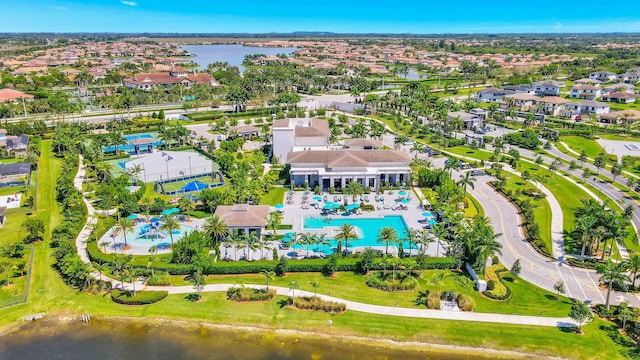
(61, 319)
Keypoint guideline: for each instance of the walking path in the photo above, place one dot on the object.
(391, 310)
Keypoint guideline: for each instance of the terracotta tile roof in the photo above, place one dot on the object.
(243, 215)
(10, 94)
(363, 142)
(348, 158)
(317, 128)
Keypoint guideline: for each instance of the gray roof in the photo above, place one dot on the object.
(591, 103)
(19, 168)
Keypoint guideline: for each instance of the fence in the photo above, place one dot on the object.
(160, 186)
(21, 299)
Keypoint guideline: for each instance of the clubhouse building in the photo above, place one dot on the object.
(337, 168)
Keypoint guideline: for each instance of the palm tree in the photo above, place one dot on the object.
(354, 189)
(440, 231)
(186, 205)
(268, 275)
(315, 284)
(215, 229)
(486, 245)
(451, 163)
(293, 285)
(633, 265)
(465, 181)
(613, 274)
(413, 237)
(275, 218)
(387, 235)
(399, 141)
(346, 232)
(252, 242)
(169, 224)
(125, 225)
(584, 227)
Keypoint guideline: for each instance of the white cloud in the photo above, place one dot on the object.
(558, 25)
(129, 3)
(61, 8)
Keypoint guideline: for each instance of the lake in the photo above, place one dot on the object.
(131, 339)
(233, 54)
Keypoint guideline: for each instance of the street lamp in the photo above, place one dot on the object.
(190, 173)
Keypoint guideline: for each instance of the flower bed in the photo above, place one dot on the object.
(242, 294)
(315, 303)
(385, 281)
(500, 291)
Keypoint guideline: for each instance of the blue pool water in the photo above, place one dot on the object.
(368, 228)
(129, 147)
(137, 237)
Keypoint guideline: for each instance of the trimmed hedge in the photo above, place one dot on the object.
(500, 291)
(140, 298)
(315, 303)
(254, 267)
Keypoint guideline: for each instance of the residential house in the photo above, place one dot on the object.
(603, 76)
(10, 95)
(299, 134)
(546, 89)
(247, 219)
(13, 143)
(630, 77)
(178, 75)
(521, 101)
(519, 89)
(586, 81)
(337, 168)
(619, 87)
(620, 97)
(11, 174)
(492, 95)
(245, 131)
(470, 120)
(587, 107)
(552, 105)
(587, 92)
(620, 117)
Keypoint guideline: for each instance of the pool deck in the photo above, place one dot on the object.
(294, 213)
(115, 242)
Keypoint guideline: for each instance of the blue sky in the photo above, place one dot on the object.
(406, 16)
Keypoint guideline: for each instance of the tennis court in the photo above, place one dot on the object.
(190, 185)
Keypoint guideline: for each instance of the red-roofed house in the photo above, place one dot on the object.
(177, 75)
(10, 95)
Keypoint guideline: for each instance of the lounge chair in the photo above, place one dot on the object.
(366, 198)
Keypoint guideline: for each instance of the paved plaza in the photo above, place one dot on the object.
(620, 148)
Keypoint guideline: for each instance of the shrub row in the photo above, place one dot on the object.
(159, 279)
(140, 298)
(466, 303)
(254, 267)
(242, 294)
(386, 282)
(315, 303)
(500, 290)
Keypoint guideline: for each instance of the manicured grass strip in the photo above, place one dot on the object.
(579, 143)
(274, 197)
(474, 207)
(465, 151)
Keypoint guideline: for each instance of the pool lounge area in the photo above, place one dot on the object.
(136, 144)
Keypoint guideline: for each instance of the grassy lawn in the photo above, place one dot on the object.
(527, 299)
(11, 190)
(578, 143)
(474, 207)
(10, 161)
(274, 196)
(465, 151)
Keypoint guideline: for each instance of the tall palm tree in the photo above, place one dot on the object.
(633, 265)
(413, 237)
(451, 163)
(486, 245)
(465, 181)
(268, 275)
(613, 274)
(387, 235)
(252, 243)
(169, 224)
(346, 232)
(354, 189)
(215, 229)
(125, 225)
(440, 232)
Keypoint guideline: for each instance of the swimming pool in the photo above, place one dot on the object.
(142, 236)
(366, 228)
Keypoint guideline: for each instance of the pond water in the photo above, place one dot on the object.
(233, 54)
(129, 339)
